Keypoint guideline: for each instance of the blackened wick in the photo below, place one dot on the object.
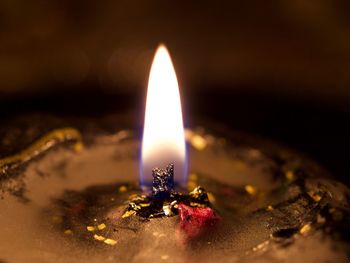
(163, 181)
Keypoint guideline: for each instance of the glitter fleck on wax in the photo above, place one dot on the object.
(110, 241)
(250, 189)
(90, 228)
(305, 229)
(99, 238)
(101, 226)
(68, 232)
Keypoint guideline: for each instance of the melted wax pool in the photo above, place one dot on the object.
(68, 204)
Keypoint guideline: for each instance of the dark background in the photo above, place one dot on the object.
(280, 69)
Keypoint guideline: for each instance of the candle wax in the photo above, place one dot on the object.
(69, 203)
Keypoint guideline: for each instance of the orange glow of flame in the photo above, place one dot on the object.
(163, 135)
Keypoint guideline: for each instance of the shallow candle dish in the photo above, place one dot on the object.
(66, 186)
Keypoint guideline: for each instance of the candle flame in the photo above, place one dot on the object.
(163, 135)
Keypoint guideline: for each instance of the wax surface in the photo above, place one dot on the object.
(68, 204)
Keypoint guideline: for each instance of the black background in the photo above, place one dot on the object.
(279, 69)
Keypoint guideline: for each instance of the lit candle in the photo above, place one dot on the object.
(258, 202)
(163, 141)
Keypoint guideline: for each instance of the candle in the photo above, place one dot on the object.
(73, 194)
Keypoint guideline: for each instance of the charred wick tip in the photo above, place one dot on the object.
(163, 181)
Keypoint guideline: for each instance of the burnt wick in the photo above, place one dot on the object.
(164, 200)
(163, 181)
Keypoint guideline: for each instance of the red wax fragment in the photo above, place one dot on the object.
(195, 220)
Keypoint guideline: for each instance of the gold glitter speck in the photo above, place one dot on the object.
(269, 208)
(314, 196)
(101, 226)
(198, 142)
(90, 228)
(122, 189)
(99, 238)
(250, 189)
(111, 242)
(128, 213)
(290, 175)
(306, 228)
(68, 232)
